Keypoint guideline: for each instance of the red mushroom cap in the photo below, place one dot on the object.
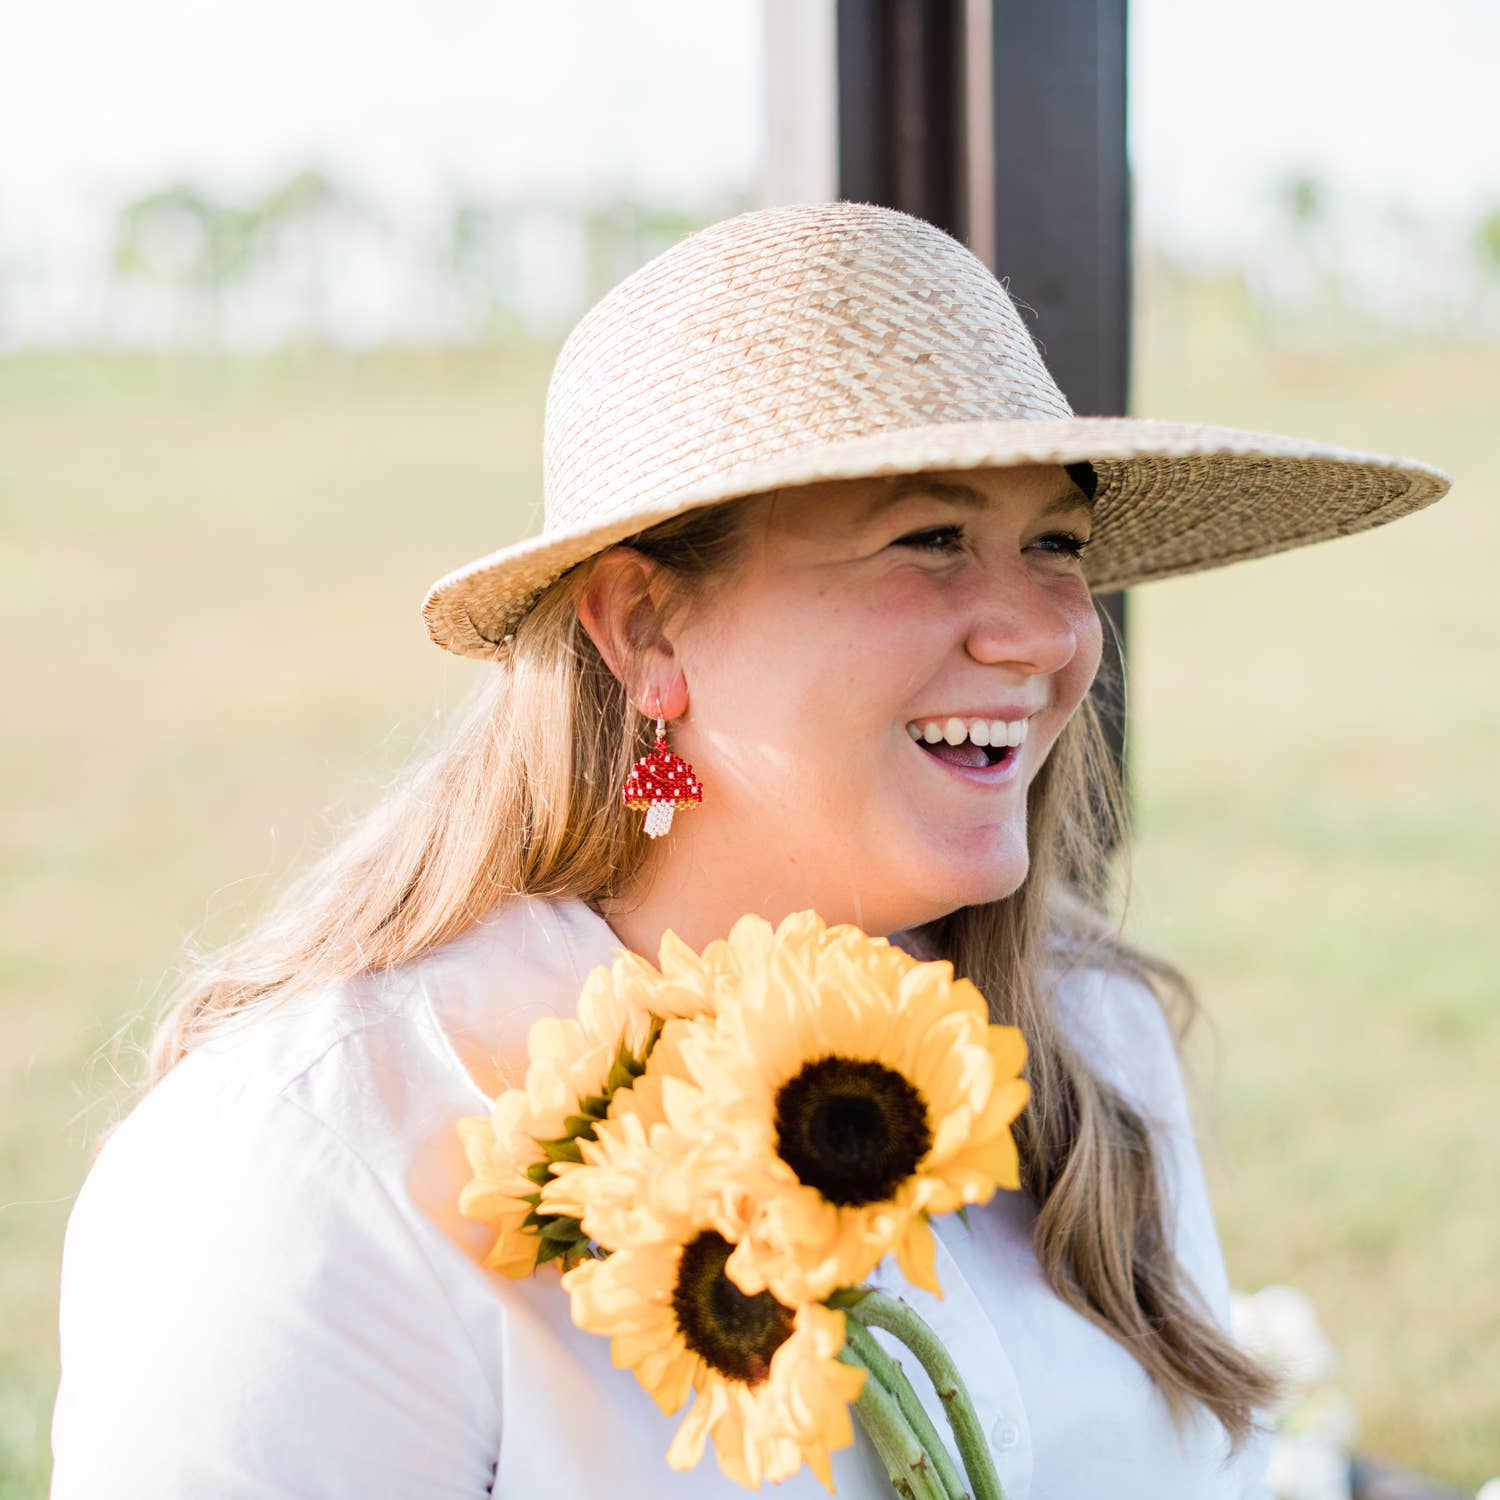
(662, 777)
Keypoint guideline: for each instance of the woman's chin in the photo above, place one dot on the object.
(974, 879)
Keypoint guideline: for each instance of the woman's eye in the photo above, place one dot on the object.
(934, 539)
(1069, 544)
(951, 538)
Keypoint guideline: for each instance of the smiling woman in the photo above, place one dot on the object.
(813, 498)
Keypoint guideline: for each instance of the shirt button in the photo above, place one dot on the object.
(1004, 1435)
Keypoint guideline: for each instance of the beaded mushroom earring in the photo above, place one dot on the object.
(660, 783)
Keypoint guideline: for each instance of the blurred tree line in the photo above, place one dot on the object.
(206, 255)
(312, 260)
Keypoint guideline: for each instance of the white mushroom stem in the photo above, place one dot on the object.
(659, 818)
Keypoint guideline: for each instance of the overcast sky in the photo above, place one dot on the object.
(1383, 97)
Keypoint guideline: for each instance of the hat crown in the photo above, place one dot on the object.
(775, 331)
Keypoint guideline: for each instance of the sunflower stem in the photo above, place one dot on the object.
(905, 1459)
(890, 1374)
(878, 1310)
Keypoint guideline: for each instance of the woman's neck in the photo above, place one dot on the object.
(698, 917)
(698, 910)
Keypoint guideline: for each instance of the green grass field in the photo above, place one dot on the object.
(211, 579)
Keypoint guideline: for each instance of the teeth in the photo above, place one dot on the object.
(955, 731)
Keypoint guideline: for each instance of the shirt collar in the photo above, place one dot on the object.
(525, 959)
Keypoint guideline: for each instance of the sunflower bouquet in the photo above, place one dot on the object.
(717, 1151)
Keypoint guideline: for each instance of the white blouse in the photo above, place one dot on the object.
(267, 1289)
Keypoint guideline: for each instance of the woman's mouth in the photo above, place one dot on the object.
(980, 751)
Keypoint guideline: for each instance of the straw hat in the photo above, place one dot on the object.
(840, 340)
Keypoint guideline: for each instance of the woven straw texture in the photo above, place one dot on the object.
(842, 340)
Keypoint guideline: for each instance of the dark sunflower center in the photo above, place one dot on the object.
(852, 1129)
(736, 1334)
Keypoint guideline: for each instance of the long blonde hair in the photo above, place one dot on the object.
(522, 798)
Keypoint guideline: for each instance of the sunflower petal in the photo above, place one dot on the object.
(916, 1253)
(687, 1446)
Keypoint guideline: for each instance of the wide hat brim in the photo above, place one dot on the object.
(1172, 498)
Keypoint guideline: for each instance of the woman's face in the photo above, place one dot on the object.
(863, 613)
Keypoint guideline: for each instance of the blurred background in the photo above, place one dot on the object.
(280, 290)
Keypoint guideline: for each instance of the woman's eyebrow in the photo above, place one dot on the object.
(1074, 497)
(965, 495)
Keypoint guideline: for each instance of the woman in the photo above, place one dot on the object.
(813, 500)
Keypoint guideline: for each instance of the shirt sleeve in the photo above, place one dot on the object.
(1121, 1027)
(246, 1312)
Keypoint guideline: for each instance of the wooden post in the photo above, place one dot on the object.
(903, 136)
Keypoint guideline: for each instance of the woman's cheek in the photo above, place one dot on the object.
(1090, 632)
(1077, 606)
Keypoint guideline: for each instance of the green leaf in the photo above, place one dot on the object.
(565, 1149)
(574, 1254)
(540, 1172)
(622, 1074)
(560, 1227)
(550, 1250)
(653, 1035)
(627, 1067)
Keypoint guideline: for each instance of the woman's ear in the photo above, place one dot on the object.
(620, 607)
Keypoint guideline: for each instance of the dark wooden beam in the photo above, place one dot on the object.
(901, 107)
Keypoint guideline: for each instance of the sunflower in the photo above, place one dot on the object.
(633, 1182)
(770, 1389)
(578, 1070)
(844, 1092)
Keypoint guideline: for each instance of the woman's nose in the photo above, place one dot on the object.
(1019, 621)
